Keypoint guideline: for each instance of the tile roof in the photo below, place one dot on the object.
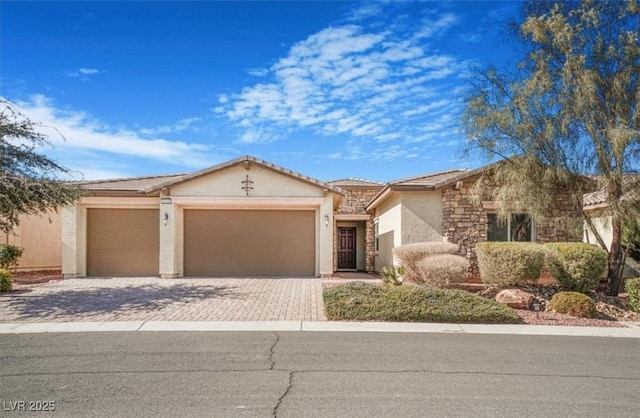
(630, 189)
(356, 182)
(430, 179)
(137, 184)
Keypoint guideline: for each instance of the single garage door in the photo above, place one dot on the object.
(249, 243)
(123, 242)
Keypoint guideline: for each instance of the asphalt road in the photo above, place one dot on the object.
(317, 374)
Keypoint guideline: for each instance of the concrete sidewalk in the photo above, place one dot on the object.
(632, 330)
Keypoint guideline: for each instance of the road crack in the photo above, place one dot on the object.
(286, 392)
(271, 351)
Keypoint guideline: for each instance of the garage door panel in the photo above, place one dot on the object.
(249, 243)
(123, 242)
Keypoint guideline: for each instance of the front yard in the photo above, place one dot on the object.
(357, 301)
(368, 302)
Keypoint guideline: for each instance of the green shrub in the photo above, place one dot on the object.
(441, 270)
(509, 263)
(6, 284)
(575, 265)
(632, 286)
(359, 301)
(573, 303)
(409, 255)
(10, 255)
(392, 276)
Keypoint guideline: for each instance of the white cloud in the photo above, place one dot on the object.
(181, 125)
(89, 71)
(75, 131)
(84, 73)
(431, 27)
(363, 80)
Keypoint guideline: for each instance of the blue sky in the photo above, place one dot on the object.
(330, 89)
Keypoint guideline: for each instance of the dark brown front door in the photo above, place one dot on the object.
(346, 248)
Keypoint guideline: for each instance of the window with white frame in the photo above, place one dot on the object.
(517, 227)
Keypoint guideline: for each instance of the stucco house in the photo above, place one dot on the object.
(245, 217)
(249, 217)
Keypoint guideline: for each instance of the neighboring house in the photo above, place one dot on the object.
(596, 205)
(40, 237)
(248, 217)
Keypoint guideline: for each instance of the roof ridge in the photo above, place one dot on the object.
(128, 178)
(358, 179)
(435, 173)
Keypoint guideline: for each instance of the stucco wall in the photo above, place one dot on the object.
(405, 218)
(40, 236)
(223, 190)
(229, 182)
(602, 224)
(421, 217)
(389, 218)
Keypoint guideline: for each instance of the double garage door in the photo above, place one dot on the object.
(249, 243)
(125, 242)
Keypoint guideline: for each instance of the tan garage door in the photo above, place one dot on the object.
(249, 243)
(122, 242)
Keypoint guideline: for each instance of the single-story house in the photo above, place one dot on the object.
(249, 217)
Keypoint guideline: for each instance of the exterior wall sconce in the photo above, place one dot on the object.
(326, 220)
(165, 219)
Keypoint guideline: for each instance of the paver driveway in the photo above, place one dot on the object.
(154, 299)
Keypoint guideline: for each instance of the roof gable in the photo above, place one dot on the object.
(424, 182)
(246, 161)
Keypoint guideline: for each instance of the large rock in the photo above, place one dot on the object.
(515, 298)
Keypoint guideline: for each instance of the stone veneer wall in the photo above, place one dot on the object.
(354, 202)
(465, 222)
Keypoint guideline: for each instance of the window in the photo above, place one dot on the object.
(518, 227)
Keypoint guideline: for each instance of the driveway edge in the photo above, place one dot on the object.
(630, 331)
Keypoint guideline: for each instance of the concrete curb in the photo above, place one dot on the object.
(631, 331)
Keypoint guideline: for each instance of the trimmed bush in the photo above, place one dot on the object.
(575, 265)
(440, 270)
(509, 263)
(409, 255)
(357, 301)
(10, 255)
(632, 286)
(6, 284)
(573, 303)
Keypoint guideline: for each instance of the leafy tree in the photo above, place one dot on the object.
(569, 108)
(29, 181)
